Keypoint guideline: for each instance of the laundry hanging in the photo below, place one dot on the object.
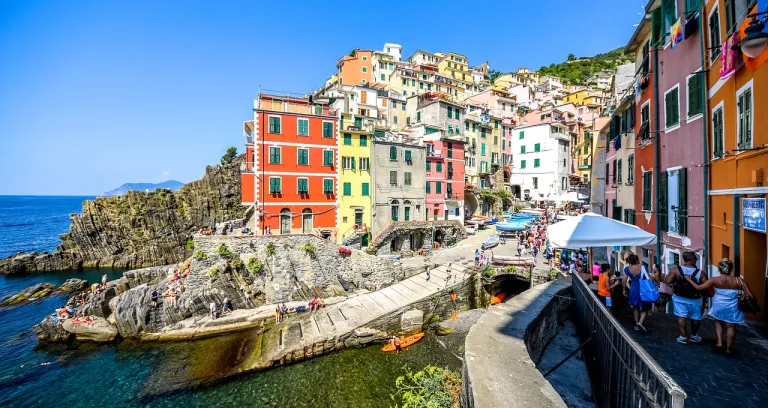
(676, 33)
(617, 143)
(728, 56)
(692, 25)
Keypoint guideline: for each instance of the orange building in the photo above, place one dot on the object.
(290, 176)
(737, 136)
(356, 68)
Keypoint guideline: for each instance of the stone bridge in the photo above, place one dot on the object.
(407, 236)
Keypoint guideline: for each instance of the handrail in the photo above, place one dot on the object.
(623, 373)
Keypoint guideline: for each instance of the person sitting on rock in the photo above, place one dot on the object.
(155, 294)
(213, 310)
(226, 306)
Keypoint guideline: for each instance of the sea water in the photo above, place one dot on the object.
(125, 374)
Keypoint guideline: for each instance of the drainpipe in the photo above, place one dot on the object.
(657, 159)
(704, 93)
(736, 235)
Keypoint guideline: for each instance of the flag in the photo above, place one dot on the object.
(676, 33)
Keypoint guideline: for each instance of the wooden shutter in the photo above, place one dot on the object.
(663, 216)
(363, 97)
(393, 178)
(747, 118)
(656, 26)
(428, 192)
(682, 194)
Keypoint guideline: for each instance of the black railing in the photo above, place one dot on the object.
(622, 373)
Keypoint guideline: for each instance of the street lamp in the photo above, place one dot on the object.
(756, 40)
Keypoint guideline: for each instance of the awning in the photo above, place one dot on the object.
(593, 230)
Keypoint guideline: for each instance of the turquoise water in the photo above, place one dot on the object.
(128, 375)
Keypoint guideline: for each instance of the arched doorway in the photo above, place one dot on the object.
(416, 241)
(407, 209)
(306, 221)
(395, 209)
(470, 204)
(439, 237)
(285, 221)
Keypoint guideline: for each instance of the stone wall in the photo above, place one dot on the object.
(510, 339)
(140, 229)
(448, 232)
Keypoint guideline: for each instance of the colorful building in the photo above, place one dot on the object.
(355, 209)
(291, 175)
(540, 165)
(737, 155)
(355, 68)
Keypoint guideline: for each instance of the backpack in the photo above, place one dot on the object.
(684, 288)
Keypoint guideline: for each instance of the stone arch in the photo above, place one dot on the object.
(470, 204)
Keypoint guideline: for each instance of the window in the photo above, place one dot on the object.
(714, 35)
(618, 171)
(428, 187)
(669, 8)
(429, 165)
(365, 69)
(303, 125)
(522, 164)
(438, 187)
(439, 166)
(673, 204)
(450, 112)
(482, 149)
(645, 115)
(744, 116)
(407, 212)
(448, 148)
(327, 186)
(503, 106)
(274, 124)
(302, 185)
(563, 183)
(421, 85)
(564, 163)
(392, 153)
(274, 155)
(466, 125)
(537, 147)
(735, 11)
(365, 163)
(695, 104)
(691, 5)
(474, 127)
(482, 132)
(536, 183)
(275, 185)
(403, 105)
(365, 58)
(395, 120)
(615, 170)
(407, 181)
(348, 163)
(536, 162)
(522, 135)
(672, 108)
(395, 210)
(495, 140)
(347, 139)
(327, 129)
(392, 178)
(647, 186)
(717, 133)
(347, 189)
(522, 149)
(327, 157)
(496, 124)
(363, 140)
(457, 112)
(631, 169)
(303, 158)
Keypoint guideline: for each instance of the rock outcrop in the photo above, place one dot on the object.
(140, 229)
(73, 285)
(33, 292)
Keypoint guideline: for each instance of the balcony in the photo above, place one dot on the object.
(434, 153)
(360, 126)
(585, 167)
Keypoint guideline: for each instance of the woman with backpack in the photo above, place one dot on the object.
(634, 273)
(725, 304)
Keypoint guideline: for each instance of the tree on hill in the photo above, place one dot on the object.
(577, 71)
(493, 74)
(229, 155)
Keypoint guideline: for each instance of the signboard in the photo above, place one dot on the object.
(753, 214)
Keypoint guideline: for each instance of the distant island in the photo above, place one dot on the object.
(170, 184)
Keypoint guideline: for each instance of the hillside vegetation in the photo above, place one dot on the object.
(577, 69)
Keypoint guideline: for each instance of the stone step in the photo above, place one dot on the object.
(323, 322)
(373, 308)
(386, 303)
(419, 290)
(405, 292)
(399, 299)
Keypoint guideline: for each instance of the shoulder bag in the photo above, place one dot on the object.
(747, 304)
(648, 291)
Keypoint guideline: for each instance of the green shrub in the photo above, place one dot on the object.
(254, 265)
(223, 251)
(200, 255)
(518, 208)
(489, 272)
(286, 245)
(309, 248)
(371, 251)
(510, 269)
(270, 249)
(213, 272)
(433, 387)
(553, 274)
(190, 244)
(237, 264)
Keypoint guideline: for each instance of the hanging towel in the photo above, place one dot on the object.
(617, 143)
(728, 56)
(676, 33)
(692, 25)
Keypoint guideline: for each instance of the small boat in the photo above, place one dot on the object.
(490, 242)
(498, 298)
(405, 341)
(510, 226)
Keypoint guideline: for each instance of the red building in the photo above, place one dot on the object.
(292, 157)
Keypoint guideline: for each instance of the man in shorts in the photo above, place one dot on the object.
(687, 301)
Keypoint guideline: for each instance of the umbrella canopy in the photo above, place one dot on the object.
(571, 196)
(593, 230)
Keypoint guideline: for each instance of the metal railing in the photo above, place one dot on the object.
(622, 373)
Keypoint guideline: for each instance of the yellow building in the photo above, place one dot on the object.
(495, 145)
(405, 81)
(355, 146)
(584, 97)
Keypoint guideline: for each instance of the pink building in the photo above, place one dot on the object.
(445, 178)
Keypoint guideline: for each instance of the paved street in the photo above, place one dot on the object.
(710, 380)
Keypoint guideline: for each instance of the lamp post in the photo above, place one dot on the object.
(756, 40)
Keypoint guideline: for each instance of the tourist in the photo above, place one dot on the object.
(428, 276)
(605, 284)
(631, 283)
(535, 252)
(686, 299)
(482, 258)
(725, 304)
(477, 257)
(104, 280)
(226, 306)
(665, 291)
(596, 270)
(519, 249)
(448, 271)
(155, 294)
(395, 342)
(277, 314)
(284, 311)
(213, 310)
(177, 291)
(572, 267)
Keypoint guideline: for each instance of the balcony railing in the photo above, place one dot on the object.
(434, 153)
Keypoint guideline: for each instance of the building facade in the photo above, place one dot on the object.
(541, 154)
(355, 68)
(355, 209)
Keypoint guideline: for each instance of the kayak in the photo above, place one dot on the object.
(404, 342)
(498, 298)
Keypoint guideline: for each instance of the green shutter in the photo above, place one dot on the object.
(429, 165)
(717, 125)
(327, 186)
(392, 153)
(450, 112)
(457, 113)
(522, 164)
(428, 187)
(694, 95)
(303, 186)
(352, 162)
(275, 185)
(303, 127)
(347, 189)
(522, 149)
(682, 194)
(536, 162)
(439, 167)
(366, 188)
(418, 116)
(537, 147)
(522, 135)
(393, 178)
(274, 125)
(656, 30)
(408, 156)
(438, 187)
(274, 155)
(407, 178)
(327, 129)
(466, 125)
(662, 210)
(347, 139)
(363, 140)
(303, 156)
(328, 158)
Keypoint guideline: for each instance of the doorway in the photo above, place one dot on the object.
(285, 221)
(753, 268)
(306, 221)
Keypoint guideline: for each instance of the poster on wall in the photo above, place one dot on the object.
(753, 214)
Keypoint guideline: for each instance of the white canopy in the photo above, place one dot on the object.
(593, 230)
(572, 197)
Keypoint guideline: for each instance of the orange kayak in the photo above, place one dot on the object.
(498, 298)
(404, 342)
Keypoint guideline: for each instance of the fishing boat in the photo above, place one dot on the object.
(405, 341)
(509, 227)
(490, 242)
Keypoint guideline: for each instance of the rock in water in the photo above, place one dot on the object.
(412, 320)
(73, 285)
(140, 229)
(99, 331)
(33, 292)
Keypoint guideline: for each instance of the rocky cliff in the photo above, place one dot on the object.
(140, 229)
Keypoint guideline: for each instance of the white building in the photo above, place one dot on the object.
(540, 160)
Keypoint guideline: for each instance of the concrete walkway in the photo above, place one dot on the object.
(709, 379)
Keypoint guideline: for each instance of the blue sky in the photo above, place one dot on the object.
(94, 94)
